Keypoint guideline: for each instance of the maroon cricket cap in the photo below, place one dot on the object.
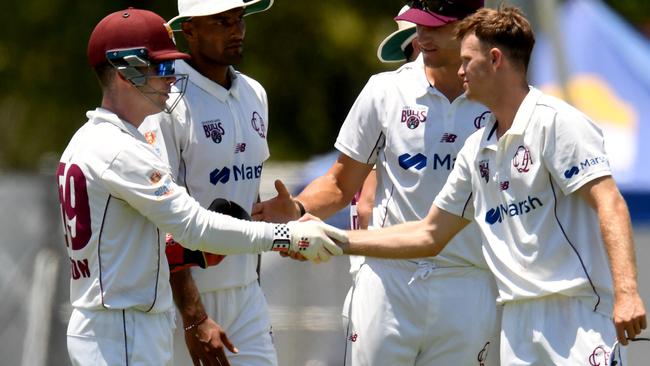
(436, 13)
(133, 28)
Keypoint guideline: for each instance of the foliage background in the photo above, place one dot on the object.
(313, 57)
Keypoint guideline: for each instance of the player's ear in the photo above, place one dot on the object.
(496, 57)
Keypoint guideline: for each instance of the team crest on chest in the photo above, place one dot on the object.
(484, 169)
(480, 121)
(522, 159)
(258, 125)
(412, 117)
(214, 130)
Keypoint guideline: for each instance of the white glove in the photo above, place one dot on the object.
(313, 239)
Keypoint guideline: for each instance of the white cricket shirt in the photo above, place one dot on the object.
(215, 143)
(412, 133)
(115, 193)
(540, 238)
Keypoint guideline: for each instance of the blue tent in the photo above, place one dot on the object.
(606, 63)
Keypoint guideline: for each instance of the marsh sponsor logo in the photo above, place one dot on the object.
(419, 161)
(575, 170)
(237, 173)
(498, 214)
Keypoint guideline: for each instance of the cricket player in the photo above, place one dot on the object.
(399, 46)
(537, 182)
(216, 144)
(118, 199)
(410, 123)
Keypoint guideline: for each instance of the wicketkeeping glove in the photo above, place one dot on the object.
(313, 239)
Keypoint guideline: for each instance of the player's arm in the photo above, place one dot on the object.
(323, 197)
(367, 199)
(206, 340)
(629, 311)
(414, 239)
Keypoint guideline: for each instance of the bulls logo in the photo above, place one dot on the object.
(214, 130)
(413, 117)
(522, 159)
(258, 124)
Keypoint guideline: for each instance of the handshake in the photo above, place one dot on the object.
(308, 239)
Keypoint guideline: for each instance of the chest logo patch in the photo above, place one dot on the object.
(258, 125)
(214, 130)
(522, 159)
(413, 117)
(484, 169)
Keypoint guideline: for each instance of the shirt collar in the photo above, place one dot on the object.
(519, 124)
(525, 112)
(104, 115)
(208, 85)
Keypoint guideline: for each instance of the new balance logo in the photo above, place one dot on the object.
(448, 137)
(241, 172)
(497, 214)
(406, 161)
(240, 147)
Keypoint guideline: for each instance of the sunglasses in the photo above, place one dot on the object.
(615, 356)
(447, 8)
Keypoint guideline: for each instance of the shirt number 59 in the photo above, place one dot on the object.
(75, 209)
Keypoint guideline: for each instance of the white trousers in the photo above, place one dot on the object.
(243, 313)
(402, 313)
(120, 337)
(556, 330)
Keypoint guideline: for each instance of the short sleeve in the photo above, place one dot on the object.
(361, 134)
(574, 151)
(456, 195)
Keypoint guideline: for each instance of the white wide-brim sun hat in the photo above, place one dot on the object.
(198, 8)
(392, 47)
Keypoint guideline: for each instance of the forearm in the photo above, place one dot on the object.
(323, 197)
(187, 297)
(414, 239)
(618, 238)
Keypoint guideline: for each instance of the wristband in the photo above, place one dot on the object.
(194, 325)
(301, 207)
(281, 238)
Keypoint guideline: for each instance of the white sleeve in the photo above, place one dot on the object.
(574, 151)
(456, 195)
(140, 178)
(361, 134)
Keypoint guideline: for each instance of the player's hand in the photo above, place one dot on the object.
(294, 256)
(207, 344)
(282, 208)
(313, 239)
(629, 317)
